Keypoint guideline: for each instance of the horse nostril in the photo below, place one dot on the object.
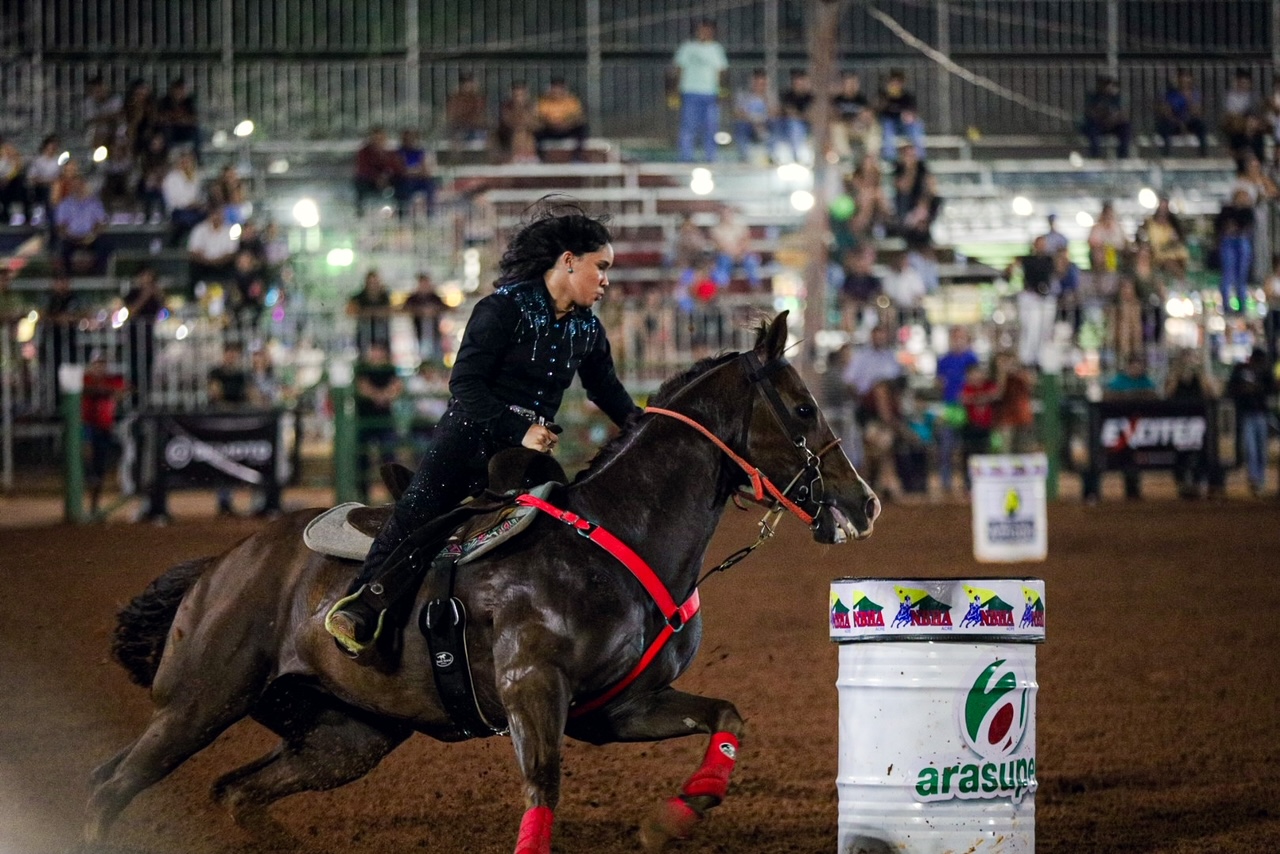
(872, 509)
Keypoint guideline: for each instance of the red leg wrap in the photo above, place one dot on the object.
(535, 831)
(712, 777)
(677, 818)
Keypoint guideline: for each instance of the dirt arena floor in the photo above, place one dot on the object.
(1159, 704)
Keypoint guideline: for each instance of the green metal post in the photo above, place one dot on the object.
(1051, 428)
(345, 448)
(71, 384)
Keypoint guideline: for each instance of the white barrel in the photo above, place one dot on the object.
(937, 692)
(1009, 519)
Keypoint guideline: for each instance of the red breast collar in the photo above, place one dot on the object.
(676, 616)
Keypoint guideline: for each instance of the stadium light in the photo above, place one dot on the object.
(802, 200)
(1022, 206)
(1084, 219)
(340, 257)
(306, 213)
(1148, 199)
(794, 173)
(723, 138)
(243, 129)
(278, 166)
(64, 157)
(100, 154)
(234, 231)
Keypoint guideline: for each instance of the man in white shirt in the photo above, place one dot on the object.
(699, 71)
(872, 373)
(183, 196)
(212, 250)
(904, 286)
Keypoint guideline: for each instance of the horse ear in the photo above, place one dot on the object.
(772, 339)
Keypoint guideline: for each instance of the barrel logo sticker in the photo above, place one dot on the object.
(917, 608)
(1012, 526)
(994, 716)
(1032, 610)
(865, 614)
(986, 609)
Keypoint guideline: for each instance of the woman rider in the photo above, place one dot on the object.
(520, 351)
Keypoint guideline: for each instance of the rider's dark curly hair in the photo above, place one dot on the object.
(555, 226)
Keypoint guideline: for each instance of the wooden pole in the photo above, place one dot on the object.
(824, 16)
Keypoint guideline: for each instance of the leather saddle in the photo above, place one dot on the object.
(347, 530)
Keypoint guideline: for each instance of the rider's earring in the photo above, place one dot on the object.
(570, 271)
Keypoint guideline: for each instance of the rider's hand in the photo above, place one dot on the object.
(539, 438)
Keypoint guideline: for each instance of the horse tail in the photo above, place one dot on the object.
(143, 625)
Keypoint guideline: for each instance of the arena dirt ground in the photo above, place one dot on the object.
(1159, 701)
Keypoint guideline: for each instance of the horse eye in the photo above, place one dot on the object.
(805, 410)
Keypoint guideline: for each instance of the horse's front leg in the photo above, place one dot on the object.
(536, 697)
(668, 714)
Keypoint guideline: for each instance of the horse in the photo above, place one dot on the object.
(557, 630)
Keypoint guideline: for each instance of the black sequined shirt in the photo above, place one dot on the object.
(516, 353)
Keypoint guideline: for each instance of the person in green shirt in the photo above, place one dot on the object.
(698, 72)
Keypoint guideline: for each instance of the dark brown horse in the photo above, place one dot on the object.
(555, 620)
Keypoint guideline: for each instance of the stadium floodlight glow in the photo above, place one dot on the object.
(1084, 219)
(1022, 206)
(100, 154)
(234, 231)
(794, 173)
(64, 157)
(802, 200)
(722, 137)
(244, 128)
(278, 166)
(701, 182)
(307, 213)
(1075, 159)
(1148, 199)
(181, 332)
(340, 257)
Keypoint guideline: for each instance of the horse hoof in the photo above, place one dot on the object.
(674, 819)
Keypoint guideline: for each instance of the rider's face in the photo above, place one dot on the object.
(590, 276)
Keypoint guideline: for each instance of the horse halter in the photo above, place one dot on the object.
(807, 482)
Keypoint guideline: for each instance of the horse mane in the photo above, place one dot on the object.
(669, 388)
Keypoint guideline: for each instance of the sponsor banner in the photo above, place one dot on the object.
(877, 609)
(1149, 434)
(1010, 522)
(213, 449)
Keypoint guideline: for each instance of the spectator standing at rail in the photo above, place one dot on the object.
(873, 374)
(897, 110)
(953, 369)
(103, 390)
(699, 71)
(1054, 241)
(184, 198)
(59, 320)
(1162, 231)
(1108, 244)
(103, 113)
(1181, 112)
(229, 389)
(143, 303)
(377, 388)
(1131, 383)
(1013, 419)
(377, 169)
(466, 114)
(177, 117)
(755, 117)
(795, 103)
(1105, 115)
(81, 219)
(1037, 301)
(560, 116)
(1242, 121)
(853, 122)
(371, 307)
(517, 123)
(978, 396)
(1189, 382)
(428, 310)
(1251, 385)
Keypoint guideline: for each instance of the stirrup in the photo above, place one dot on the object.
(343, 624)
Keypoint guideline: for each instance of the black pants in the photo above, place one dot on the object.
(454, 466)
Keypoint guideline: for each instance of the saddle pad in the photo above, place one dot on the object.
(331, 534)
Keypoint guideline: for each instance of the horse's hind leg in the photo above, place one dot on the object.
(325, 744)
(669, 714)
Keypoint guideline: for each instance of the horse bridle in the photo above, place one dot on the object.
(808, 482)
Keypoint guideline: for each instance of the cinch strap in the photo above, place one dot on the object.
(676, 616)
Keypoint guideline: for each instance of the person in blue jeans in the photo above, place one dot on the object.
(755, 116)
(698, 72)
(1251, 385)
(953, 367)
(896, 107)
(1235, 226)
